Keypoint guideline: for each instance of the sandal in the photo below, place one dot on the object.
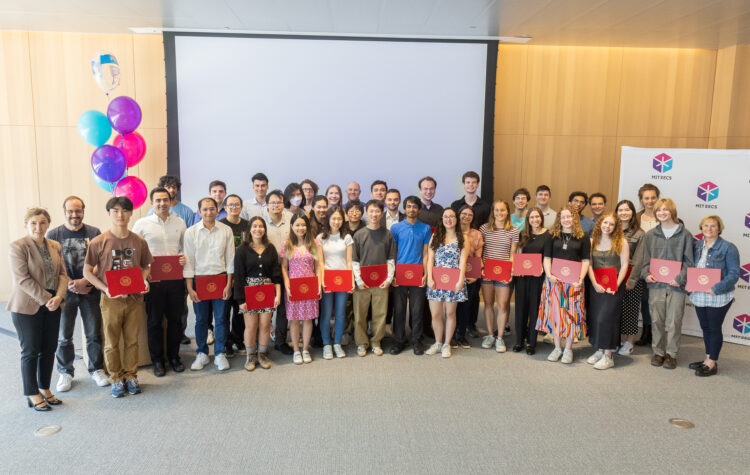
(41, 406)
(52, 400)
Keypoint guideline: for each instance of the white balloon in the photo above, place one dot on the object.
(106, 71)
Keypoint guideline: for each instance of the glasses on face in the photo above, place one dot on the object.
(234, 205)
(578, 202)
(275, 203)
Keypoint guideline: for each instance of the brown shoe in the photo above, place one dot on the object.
(669, 362)
(263, 360)
(657, 360)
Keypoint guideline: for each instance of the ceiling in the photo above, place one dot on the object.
(643, 23)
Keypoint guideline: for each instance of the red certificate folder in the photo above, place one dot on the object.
(259, 296)
(498, 270)
(373, 276)
(627, 276)
(607, 278)
(166, 268)
(527, 264)
(210, 287)
(701, 280)
(474, 267)
(409, 274)
(664, 270)
(338, 280)
(125, 281)
(445, 278)
(303, 288)
(567, 271)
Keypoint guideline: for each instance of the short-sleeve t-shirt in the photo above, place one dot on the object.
(410, 240)
(373, 247)
(237, 229)
(577, 249)
(74, 245)
(497, 243)
(334, 250)
(108, 252)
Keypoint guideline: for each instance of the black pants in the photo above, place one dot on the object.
(711, 320)
(234, 321)
(37, 335)
(466, 312)
(91, 316)
(528, 294)
(165, 299)
(281, 322)
(416, 297)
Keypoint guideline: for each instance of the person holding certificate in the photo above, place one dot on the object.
(634, 287)
(714, 252)
(562, 310)
(467, 312)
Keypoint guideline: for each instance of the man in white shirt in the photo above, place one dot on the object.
(209, 250)
(392, 214)
(543, 195)
(258, 205)
(164, 231)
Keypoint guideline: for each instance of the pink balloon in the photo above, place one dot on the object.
(132, 146)
(133, 188)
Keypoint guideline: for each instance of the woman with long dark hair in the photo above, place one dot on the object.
(466, 312)
(631, 299)
(293, 198)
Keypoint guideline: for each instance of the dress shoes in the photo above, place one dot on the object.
(530, 350)
(418, 348)
(657, 360)
(159, 369)
(177, 365)
(695, 365)
(517, 348)
(395, 349)
(705, 371)
(669, 362)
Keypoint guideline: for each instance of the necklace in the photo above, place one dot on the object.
(566, 239)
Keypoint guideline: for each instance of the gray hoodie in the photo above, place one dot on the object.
(679, 247)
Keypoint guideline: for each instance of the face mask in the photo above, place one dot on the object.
(296, 201)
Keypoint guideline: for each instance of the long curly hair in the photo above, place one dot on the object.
(557, 227)
(438, 239)
(617, 236)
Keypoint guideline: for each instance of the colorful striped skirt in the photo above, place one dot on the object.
(562, 310)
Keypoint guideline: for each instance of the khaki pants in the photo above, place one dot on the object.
(121, 317)
(362, 299)
(667, 308)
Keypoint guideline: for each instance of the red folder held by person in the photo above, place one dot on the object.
(664, 270)
(567, 271)
(702, 279)
(303, 288)
(210, 287)
(373, 276)
(125, 281)
(445, 278)
(498, 270)
(607, 278)
(338, 280)
(166, 268)
(260, 296)
(527, 264)
(473, 267)
(409, 274)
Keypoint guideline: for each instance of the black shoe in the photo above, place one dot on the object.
(530, 350)
(463, 342)
(185, 340)
(454, 343)
(517, 348)
(41, 406)
(159, 369)
(507, 330)
(418, 348)
(645, 336)
(177, 365)
(705, 371)
(695, 365)
(284, 348)
(229, 351)
(395, 349)
(472, 332)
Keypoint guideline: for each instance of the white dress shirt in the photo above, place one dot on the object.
(252, 208)
(208, 252)
(164, 238)
(278, 233)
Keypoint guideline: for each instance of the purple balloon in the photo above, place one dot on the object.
(108, 163)
(124, 114)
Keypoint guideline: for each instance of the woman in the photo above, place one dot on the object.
(609, 249)
(293, 198)
(528, 287)
(317, 215)
(466, 312)
(666, 301)
(500, 241)
(300, 258)
(256, 262)
(446, 249)
(39, 287)
(562, 310)
(521, 199)
(333, 193)
(647, 194)
(309, 190)
(716, 253)
(631, 299)
(337, 255)
(354, 210)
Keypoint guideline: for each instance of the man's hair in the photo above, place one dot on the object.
(598, 195)
(226, 198)
(378, 182)
(426, 178)
(648, 187)
(470, 174)
(167, 180)
(393, 190)
(413, 200)
(377, 203)
(158, 189)
(121, 201)
(522, 191)
(217, 183)
(71, 198)
(259, 177)
(543, 188)
(355, 204)
(317, 198)
(200, 202)
(278, 193)
(579, 193)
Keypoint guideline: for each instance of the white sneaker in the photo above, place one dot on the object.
(605, 362)
(437, 346)
(340, 353)
(210, 339)
(595, 357)
(100, 378)
(488, 341)
(567, 357)
(306, 358)
(377, 351)
(64, 383)
(297, 358)
(555, 355)
(327, 352)
(500, 345)
(446, 351)
(361, 350)
(626, 349)
(221, 362)
(201, 360)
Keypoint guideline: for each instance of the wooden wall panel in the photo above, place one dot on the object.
(510, 89)
(150, 81)
(508, 165)
(16, 106)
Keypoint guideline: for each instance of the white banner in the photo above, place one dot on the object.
(701, 182)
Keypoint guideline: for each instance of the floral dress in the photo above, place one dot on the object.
(301, 264)
(447, 255)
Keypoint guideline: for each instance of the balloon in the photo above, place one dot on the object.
(134, 188)
(133, 146)
(106, 71)
(94, 127)
(108, 163)
(124, 114)
(105, 185)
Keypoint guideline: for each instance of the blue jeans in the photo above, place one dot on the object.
(203, 317)
(335, 301)
(711, 320)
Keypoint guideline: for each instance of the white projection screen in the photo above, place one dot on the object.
(329, 109)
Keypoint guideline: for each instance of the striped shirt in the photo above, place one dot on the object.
(497, 243)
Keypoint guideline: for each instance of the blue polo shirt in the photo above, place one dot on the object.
(409, 240)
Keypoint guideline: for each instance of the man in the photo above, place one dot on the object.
(598, 205)
(352, 191)
(373, 245)
(164, 231)
(377, 192)
(392, 214)
(74, 238)
(173, 186)
(118, 248)
(578, 201)
(431, 213)
(217, 190)
(521, 199)
(277, 223)
(411, 238)
(209, 250)
(257, 205)
(318, 214)
(543, 195)
(480, 207)
(233, 318)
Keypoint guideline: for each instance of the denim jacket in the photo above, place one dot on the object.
(722, 255)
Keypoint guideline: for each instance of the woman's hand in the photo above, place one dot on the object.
(599, 289)
(243, 307)
(674, 283)
(459, 286)
(431, 283)
(650, 279)
(629, 286)
(53, 303)
(191, 292)
(552, 279)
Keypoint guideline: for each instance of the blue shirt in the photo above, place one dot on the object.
(219, 216)
(410, 240)
(183, 211)
(587, 224)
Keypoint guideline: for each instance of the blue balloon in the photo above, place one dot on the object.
(105, 185)
(108, 163)
(94, 127)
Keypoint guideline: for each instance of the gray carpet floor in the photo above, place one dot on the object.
(478, 411)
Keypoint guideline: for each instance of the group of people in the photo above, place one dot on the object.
(279, 236)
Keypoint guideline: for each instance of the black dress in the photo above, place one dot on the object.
(528, 294)
(604, 309)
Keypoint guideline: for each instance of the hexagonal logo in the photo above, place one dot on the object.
(745, 273)
(747, 220)
(662, 163)
(708, 191)
(742, 324)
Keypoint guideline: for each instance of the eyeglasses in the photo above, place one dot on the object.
(275, 203)
(233, 205)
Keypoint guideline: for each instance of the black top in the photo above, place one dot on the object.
(577, 249)
(74, 245)
(248, 263)
(431, 216)
(537, 243)
(237, 229)
(481, 210)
